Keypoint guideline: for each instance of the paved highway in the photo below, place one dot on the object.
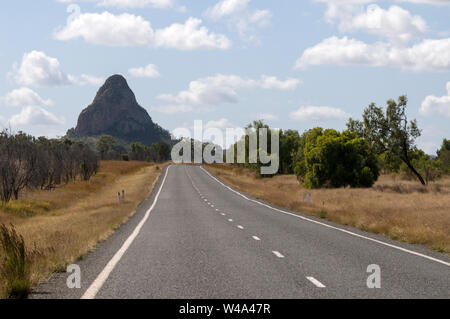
(195, 237)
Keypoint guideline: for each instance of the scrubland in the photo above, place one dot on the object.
(63, 225)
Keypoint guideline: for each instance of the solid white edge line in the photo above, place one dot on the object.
(278, 254)
(316, 282)
(95, 287)
(329, 226)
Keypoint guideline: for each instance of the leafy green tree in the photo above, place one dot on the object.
(289, 144)
(389, 131)
(389, 163)
(138, 152)
(306, 142)
(161, 150)
(444, 155)
(254, 132)
(105, 144)
(333, 159)
(431, 169)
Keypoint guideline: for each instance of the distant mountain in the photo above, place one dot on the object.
(116, 112)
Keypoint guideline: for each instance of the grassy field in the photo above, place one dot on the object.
(403, 210)
(65, 224)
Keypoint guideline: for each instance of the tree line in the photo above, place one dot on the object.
(42, 163)
(383, 141)
(109, 149)
(29, 162)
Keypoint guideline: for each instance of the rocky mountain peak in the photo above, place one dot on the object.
(115, 111)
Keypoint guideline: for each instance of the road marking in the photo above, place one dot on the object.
(316, 282)
(217, 210)
(95, 287)
(223, 214)
(230, 220)
(240, 227)
(331, 227)
(278, 254)
(206, 200)
(212, 206)
(256, 238)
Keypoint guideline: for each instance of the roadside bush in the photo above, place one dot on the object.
(15, 263)
(332, 159)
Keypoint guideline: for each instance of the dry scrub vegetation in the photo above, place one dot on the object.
(403, 210)
(65, 224)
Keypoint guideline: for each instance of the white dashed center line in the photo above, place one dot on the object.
(316, 282)
(230, 220)
(223, 214)
(278, 254)
(256, 238)
(240, 227)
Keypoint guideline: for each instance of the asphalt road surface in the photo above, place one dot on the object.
(195, 237)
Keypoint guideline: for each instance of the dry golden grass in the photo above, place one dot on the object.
(403, 210)
(67, 223)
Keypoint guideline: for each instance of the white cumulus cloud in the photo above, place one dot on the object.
(131, 30)
(190, 36)
(137, 3)
(238, 15)
(433, 105)
(25, 97)
(222, 89)
(318, 113)
(428, 55)
(395, 23)
(149, 71)
(38, 69)
(227, 8)
(34, 116)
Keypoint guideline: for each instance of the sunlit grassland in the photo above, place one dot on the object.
(66, 223)
(402, 210)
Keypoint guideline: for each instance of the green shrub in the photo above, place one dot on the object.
(333, 159)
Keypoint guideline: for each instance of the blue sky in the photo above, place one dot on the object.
(296, 64)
